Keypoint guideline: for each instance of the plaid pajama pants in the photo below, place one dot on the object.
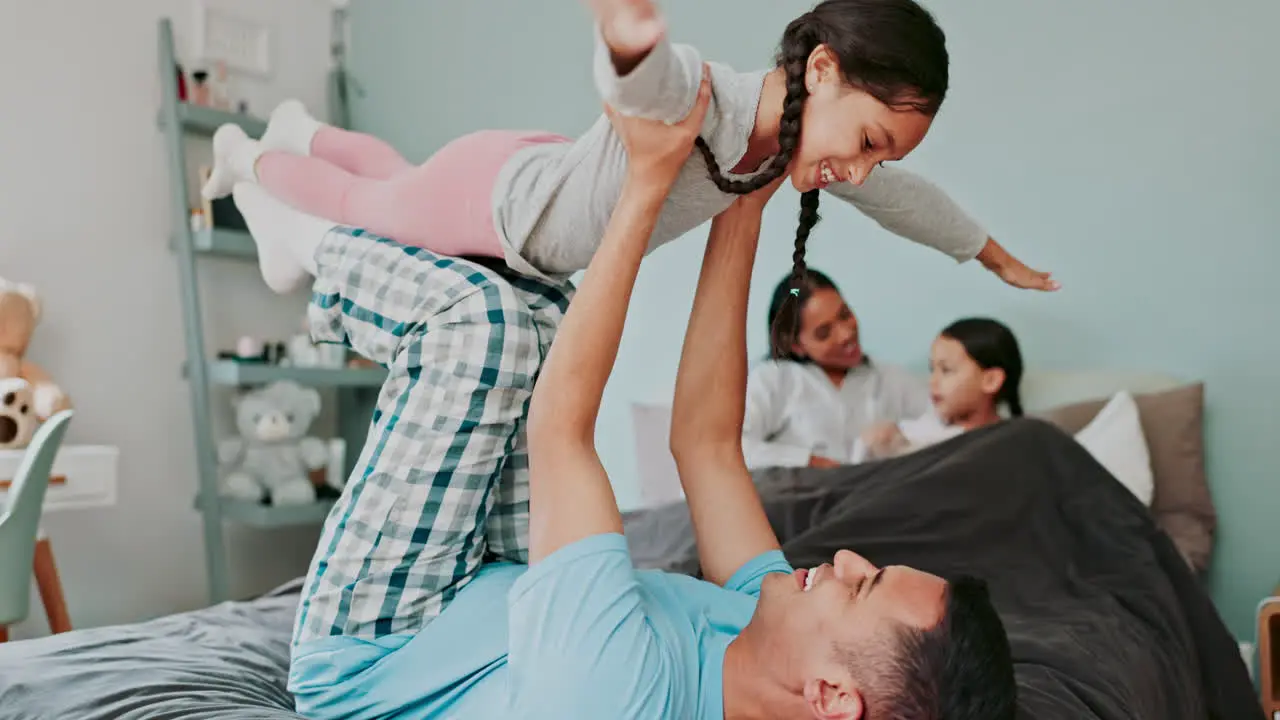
(442, 479)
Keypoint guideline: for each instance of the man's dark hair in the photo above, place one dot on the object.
(961, 669)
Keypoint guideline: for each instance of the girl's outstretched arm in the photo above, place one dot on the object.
(912, 207)
(570, 494)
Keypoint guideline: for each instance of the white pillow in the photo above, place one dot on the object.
(1114, 438)
(659, 479)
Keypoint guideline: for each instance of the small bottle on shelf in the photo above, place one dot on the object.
(220, 88)
(200, 93)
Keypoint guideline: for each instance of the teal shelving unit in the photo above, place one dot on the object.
(179, 120)
(233, 373)
(227, 243)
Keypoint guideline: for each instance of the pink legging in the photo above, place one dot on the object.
(444, 204)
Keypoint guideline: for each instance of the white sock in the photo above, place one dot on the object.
(287, 239)
(291, 128)
(235, 156)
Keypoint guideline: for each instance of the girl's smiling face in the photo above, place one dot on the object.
(845, 132)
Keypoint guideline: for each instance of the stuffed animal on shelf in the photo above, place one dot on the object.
(19, 315)
(273, 457)
(301, 352)
(18, 420)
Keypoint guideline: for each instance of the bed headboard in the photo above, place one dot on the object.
(1041, 390)
(1045, 389)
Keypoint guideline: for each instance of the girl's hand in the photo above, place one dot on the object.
(818, 461)
(1013, 271)
(630, 28)
(883, 439)
(657, 151)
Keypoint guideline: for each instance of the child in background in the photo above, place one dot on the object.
(975, 368)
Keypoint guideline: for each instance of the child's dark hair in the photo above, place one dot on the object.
(992, 345)
(784, 311)
(891, 49)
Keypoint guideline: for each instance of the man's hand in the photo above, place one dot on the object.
(655, 155)
(1012, 270)
(570, 494)
(758, 199)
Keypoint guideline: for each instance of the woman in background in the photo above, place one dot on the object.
(975, 369)
(810, 402)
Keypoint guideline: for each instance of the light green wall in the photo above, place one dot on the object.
(1130, 147)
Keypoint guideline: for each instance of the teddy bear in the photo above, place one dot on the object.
(19, 315)
(273, 457)
(18, 420)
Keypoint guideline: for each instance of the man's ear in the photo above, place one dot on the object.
(992, 380)
(831, 701)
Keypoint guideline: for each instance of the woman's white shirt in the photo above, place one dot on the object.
(794, 411)
(919, 433)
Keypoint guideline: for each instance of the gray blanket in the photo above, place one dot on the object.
(227, 662)
(1106, 620)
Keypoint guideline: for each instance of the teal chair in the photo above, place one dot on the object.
(20, 520)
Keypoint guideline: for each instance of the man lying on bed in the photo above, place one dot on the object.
(579, 633)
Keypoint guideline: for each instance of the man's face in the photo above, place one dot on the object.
(849, 604)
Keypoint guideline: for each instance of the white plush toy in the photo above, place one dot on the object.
(273, 457)
(301, 352)
(18, 421)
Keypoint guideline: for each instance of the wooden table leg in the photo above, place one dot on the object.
(1268, 650)
(55, 605)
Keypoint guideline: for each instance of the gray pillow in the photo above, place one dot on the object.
(1173, 423)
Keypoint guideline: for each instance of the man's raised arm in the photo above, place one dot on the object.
(706, 428)
(570, 497)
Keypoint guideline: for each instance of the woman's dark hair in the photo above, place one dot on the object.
(891, 49)
(992, 345)
(788, 299)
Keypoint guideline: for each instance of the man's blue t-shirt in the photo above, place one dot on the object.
(581, 634)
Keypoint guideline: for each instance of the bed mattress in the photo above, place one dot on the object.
(226, 662)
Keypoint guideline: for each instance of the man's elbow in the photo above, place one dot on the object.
(697, 450)
(691, 432)
(686, 438)
(550, 429)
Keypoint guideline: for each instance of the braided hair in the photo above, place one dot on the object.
(798, 42)
(891, 49)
